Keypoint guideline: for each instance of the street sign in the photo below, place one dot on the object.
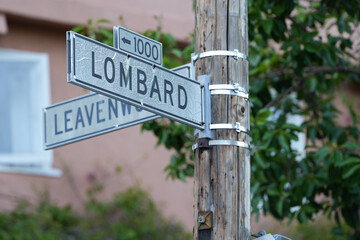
(88, 116)
(92, 115)
(185, 70)
(128, 78)
(138, 45)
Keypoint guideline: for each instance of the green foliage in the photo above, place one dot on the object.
(131, 215)
(322, 228)
(313, 68)
(173, 56)
(172, 135)
(94, 31)
(43, 222)
(300, 55)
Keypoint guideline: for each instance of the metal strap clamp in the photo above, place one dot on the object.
(235, 126)
(229, 89)
(235, 54)
(224, 143)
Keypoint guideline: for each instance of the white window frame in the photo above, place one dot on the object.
(37, 161)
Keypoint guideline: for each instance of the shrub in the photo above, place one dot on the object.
(131, 215)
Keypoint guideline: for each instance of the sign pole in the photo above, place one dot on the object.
(222, 161)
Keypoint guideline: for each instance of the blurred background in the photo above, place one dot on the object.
(115, 182)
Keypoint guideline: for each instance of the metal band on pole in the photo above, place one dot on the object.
(235, 126)
(229, 143)
(224, 143)
(235, 54)
(229, 89)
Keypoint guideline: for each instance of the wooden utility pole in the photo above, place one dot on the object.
(222, 172)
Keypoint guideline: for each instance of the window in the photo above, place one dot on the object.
(24, 92)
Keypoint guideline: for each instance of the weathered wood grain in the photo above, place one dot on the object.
(222, 173)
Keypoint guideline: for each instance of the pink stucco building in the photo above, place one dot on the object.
(33, 76)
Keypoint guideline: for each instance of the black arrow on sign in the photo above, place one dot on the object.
(127, 41)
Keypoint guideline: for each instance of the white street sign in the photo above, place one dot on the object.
(92, 115)
(88, 116)
(130, 79)
(137, 44)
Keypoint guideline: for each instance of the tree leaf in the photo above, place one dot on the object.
(350, 171)
(349, 160)
(164, 137)
(310, 189)
(103, 20)
(283, 142)
(267, 26)
(311, 47)
(291, 126)
(309, 36)
(338, 157)
(302, 217)
(279, 207)
(78, 29)
(321, 154)
(263, 114)
(260, 160)
(312, 83)
(272, 192)
(176, 52)
(269, 134)
(311, 132)
(351, 146)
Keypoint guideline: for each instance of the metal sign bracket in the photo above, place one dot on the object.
(205, 220)
(201, 143)
(229, 89)
(206, 108)
(206, 135)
